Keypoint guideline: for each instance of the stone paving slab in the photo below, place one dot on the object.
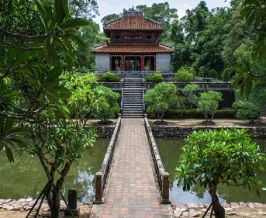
(132, 190)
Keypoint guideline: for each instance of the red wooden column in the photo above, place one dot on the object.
(154, 63)
(142, 63)
(123, 61)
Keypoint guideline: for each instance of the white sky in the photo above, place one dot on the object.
(116, 6)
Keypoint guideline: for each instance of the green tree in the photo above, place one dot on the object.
(163, 14)
(161, 98)
(254, 14)
(106, 106)
(32, 96)
(227, 156)
(84, 8)
(208, 103)
(184, 74)
(246, 109)
(155, 78)
(190, 93)
(195, 20)
(109, 17)
(208, 46)
(91, 36)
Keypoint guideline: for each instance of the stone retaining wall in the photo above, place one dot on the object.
(182, 132)
(105, 131)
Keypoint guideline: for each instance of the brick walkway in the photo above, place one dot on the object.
(132, 190)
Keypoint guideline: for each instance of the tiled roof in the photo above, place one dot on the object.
(132, 49)
(132, 23)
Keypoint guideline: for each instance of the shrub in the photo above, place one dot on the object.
(154, 78)
(226, 156)
(106, 105)
(246, 110)
(194, 113)
(109, 77)
(161, 98)
(208, 104)
(190, 93)
(184, 75)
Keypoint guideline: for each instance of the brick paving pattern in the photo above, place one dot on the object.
(132, 190)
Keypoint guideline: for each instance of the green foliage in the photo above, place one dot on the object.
(254, 14)
(190, 93)
(33, 94)
(109, 17)
(83, 96)
(195, 114)
(161, 98)
(106, 105)
(208, 104)
(184, 74)
(84, 8)
(91, 36)
(154, 78)
(227, 156)
(163, 14)
(246, 109)
(89, 99)
(110, 77)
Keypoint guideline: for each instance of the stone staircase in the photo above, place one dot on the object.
(132, 100)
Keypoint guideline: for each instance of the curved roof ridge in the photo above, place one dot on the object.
(132, 22)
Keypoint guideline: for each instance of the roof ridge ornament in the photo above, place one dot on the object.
(132, 13)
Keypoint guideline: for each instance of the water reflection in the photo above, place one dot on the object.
(170, 150)
(25, 177)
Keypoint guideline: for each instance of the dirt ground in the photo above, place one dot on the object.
(218, 123)
(236, 213)
(84, 213)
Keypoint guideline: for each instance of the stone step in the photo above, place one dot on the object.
(133, 96)
(132, 100)
(132, 93)
(133, 90)
(133, 87)
(132, 115)
(133, 107)
(133, 79)
(128, 117)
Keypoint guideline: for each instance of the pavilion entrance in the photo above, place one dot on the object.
(133, 63)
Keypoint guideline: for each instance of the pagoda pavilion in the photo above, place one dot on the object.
(134, 46)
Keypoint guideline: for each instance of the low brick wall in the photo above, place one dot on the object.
(182, 132)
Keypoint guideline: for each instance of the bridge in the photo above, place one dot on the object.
(132, 181)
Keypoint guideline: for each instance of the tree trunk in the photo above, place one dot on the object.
(55, 204)
(217, 207)
(54, 190)
(162, 116)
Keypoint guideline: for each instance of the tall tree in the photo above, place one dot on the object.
(109, 17)
(32, 97)
(163, 14)
(84, 8)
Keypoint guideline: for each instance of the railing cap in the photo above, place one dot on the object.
(99, 174)
(165, 174)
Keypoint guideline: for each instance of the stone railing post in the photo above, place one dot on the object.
(98, 188)
(165, 188)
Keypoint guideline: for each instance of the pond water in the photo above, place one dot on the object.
(25, 177)
(170, 150)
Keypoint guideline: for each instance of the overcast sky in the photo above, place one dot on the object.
(116, 6)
